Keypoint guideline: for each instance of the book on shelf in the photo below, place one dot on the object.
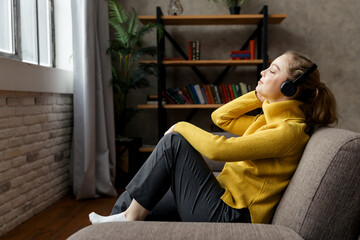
(177, 98)
(152, 99)
(244, 54)
(190, 92)
(183, 96)
(205, 93)
(196, 98)
(194, 50)
(188, 95)
(197, 50)
(239, 56)
(199, 93)
(252, 46)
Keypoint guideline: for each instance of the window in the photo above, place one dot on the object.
(28, 27)
(7, 41)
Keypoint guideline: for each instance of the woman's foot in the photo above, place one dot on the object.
(96, 218)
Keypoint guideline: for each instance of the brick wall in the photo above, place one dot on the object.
(35, 143)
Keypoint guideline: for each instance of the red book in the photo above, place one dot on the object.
(190, 50)
(240, 52)
(226, 97)
(187, 94)
(182, 95)
(231, 92)
(252, 49)
(210, 93)
(168, 99)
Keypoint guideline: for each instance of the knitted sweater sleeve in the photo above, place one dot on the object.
(231, 116)
(271, 142)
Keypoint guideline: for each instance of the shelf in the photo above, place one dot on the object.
(179, 106)
(214, 19)
(146, 149)
(184, 63)
(258, 21)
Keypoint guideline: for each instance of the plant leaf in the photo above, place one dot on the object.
(117, 17)
(145, 29)
(133, 23)
(117, 12)
(120, 34)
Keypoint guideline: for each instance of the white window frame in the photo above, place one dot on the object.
(17, 34)
(16, 31)
(24, 77)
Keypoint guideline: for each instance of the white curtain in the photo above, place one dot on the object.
(93, 151)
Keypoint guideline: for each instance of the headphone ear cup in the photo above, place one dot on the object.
(288, 88)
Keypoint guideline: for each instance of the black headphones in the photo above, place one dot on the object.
(289, 88)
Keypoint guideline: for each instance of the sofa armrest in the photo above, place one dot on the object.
(184, 230)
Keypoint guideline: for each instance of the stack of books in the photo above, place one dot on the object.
(193, 50)
(152, 99)
(244, 54)
(205, 94)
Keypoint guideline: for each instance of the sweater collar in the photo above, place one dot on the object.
(283, 110)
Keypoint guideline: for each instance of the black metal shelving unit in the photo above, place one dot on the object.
(260, 33)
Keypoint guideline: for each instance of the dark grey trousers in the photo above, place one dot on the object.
(176, 184)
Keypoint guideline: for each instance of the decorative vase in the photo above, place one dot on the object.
(235, 10)
(175, 8)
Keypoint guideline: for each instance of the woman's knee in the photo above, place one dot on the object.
(173, 137)
(173, 143)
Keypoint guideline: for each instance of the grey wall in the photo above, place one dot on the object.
(326, 30)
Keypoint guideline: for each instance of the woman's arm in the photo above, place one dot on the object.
(274, 141)
(231, 116)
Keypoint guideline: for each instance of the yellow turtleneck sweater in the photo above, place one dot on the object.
(260, 163)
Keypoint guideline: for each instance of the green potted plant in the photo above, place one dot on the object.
(127, 74)
(125, 49)
(234, 5)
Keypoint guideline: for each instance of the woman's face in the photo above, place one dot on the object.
(272, 78)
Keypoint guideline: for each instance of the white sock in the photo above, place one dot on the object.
(96, 218)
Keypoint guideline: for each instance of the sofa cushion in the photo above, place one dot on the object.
(183, 230)
(322, 199)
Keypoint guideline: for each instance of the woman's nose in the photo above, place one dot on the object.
(262, 73)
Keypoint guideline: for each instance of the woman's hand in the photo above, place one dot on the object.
(260, 97)
(171, 130)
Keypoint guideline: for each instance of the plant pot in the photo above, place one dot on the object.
(235, 10)
(127, 159)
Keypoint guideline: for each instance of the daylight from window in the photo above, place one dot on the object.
(36, 32)
(29, 29)
(6, 27)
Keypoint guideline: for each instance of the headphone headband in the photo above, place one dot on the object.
(289, 88)
(305, 74)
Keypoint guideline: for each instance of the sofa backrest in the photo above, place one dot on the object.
(322, 200)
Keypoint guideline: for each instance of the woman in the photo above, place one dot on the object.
(259, 164)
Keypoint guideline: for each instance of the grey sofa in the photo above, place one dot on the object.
(322, 201)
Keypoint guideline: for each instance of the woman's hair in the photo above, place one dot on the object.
(320, 104)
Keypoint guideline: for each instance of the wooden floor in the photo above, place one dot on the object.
(61, 219)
